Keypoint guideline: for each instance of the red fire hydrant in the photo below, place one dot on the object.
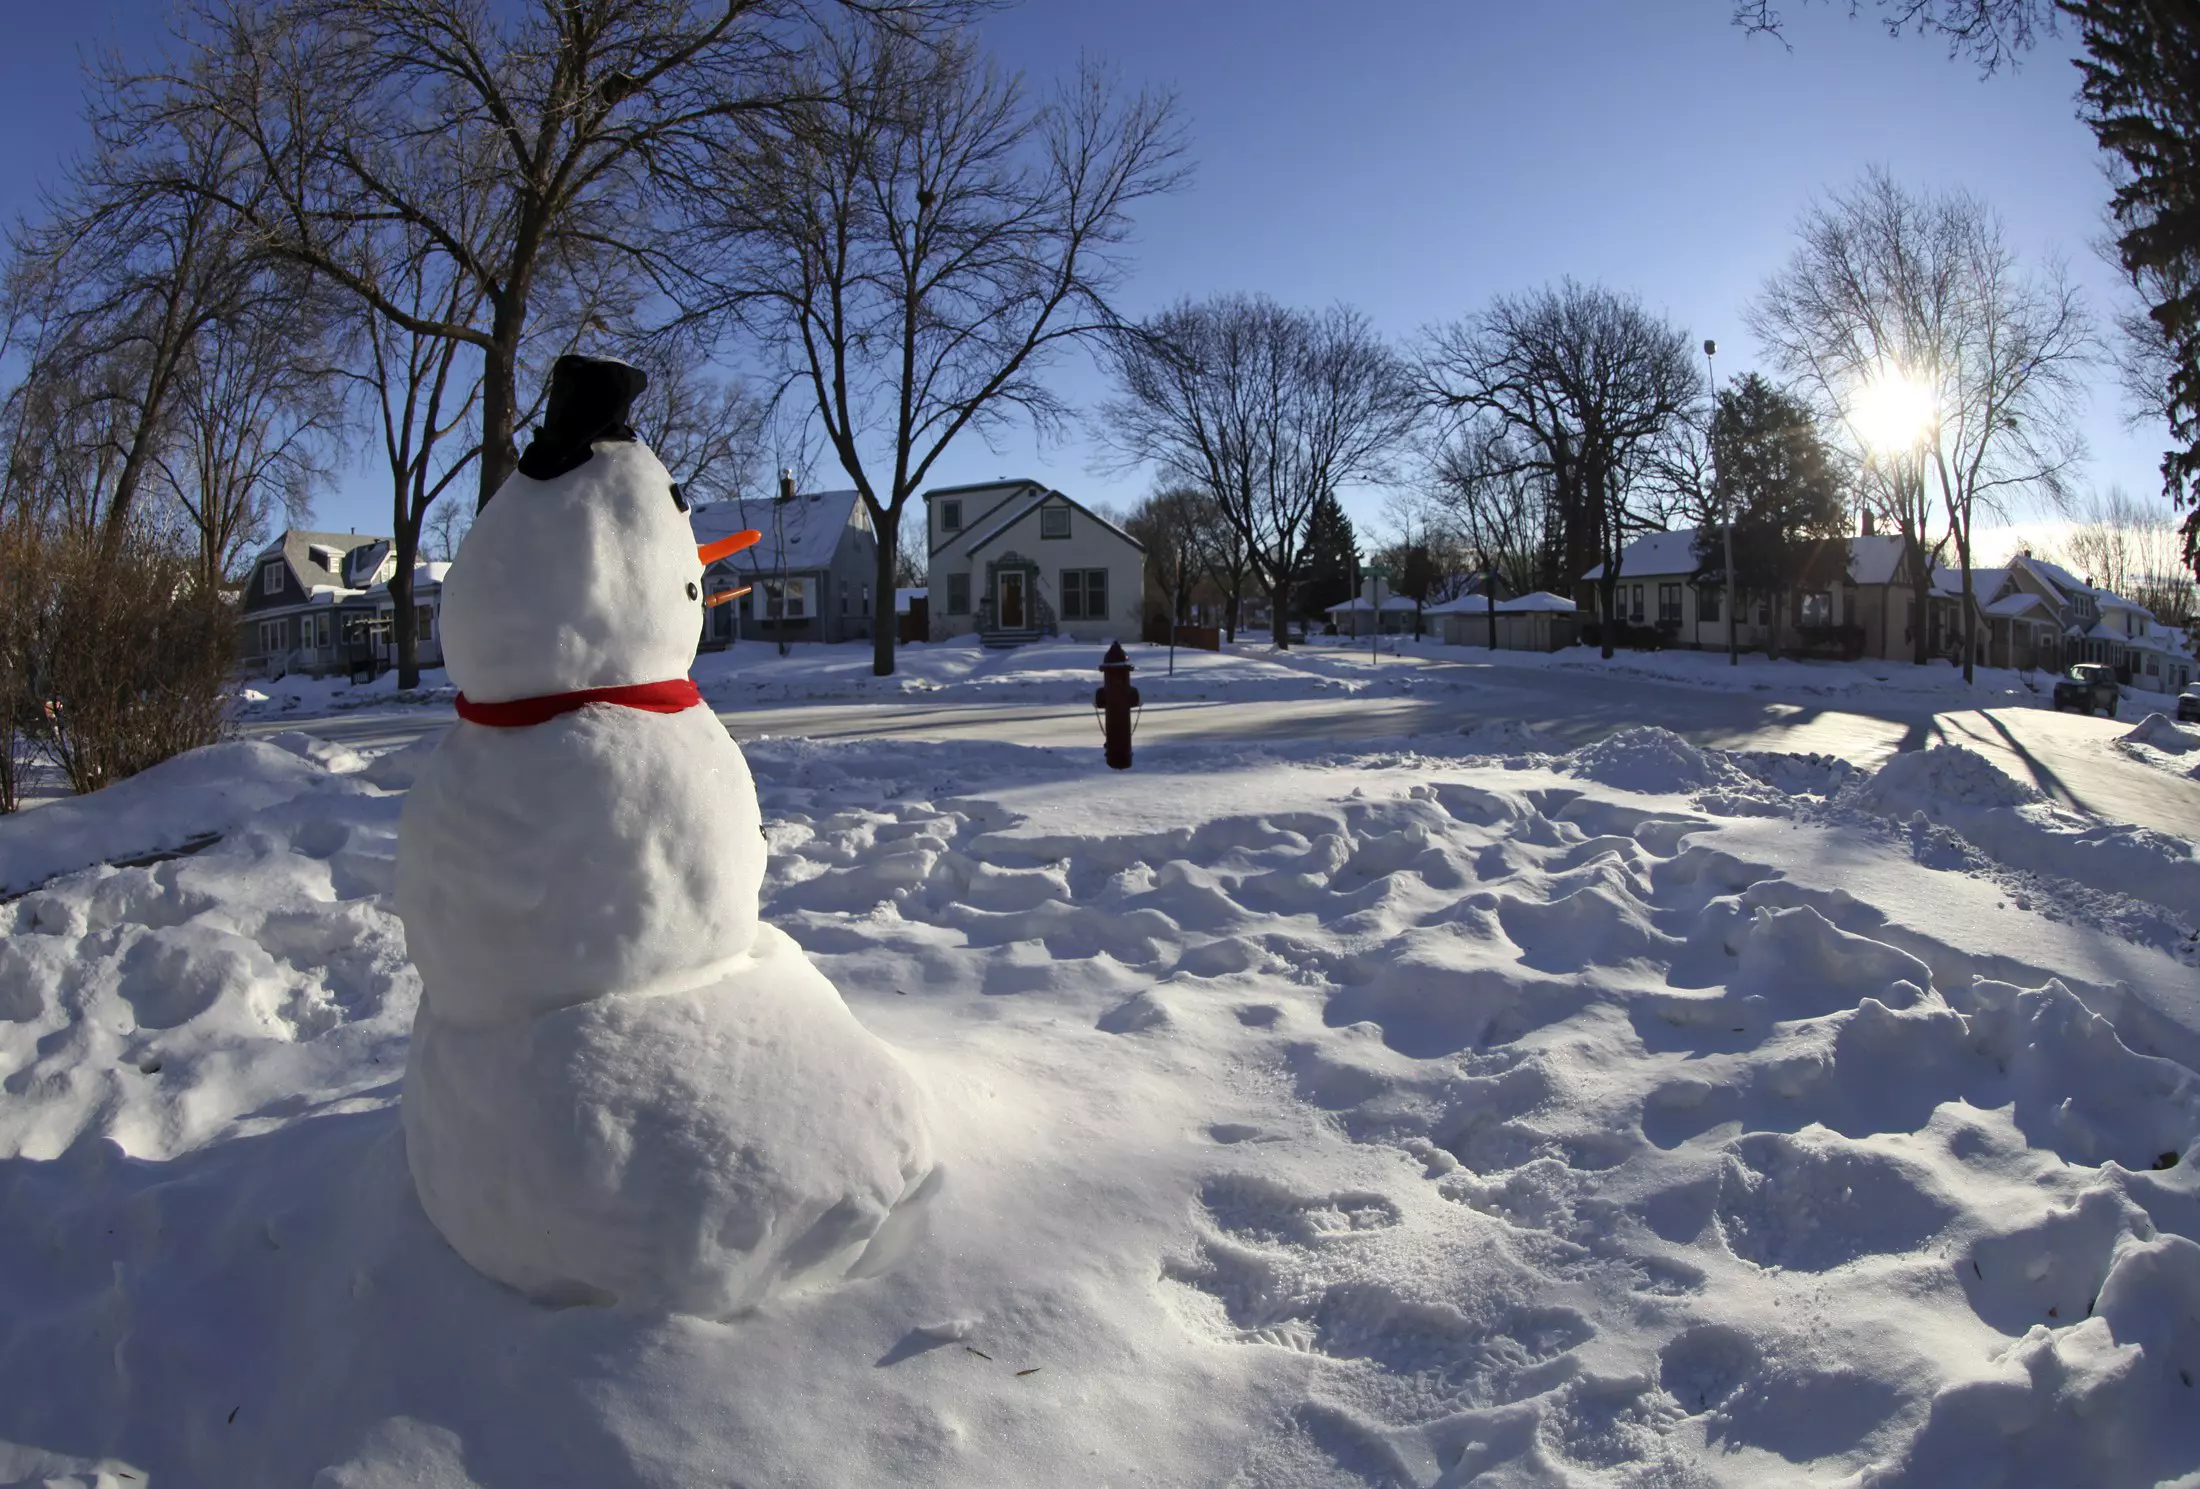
(1115, 703)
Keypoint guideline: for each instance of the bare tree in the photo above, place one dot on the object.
(708, 431)
(1993, 33)
(254, 413)
(1267, 409)
(918, 237)
(1479, 488)
(113, 287)
(547, 148)
(1908, 320)
(2133, 548)
(423, 390)
(1586, 383)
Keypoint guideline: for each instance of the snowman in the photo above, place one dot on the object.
(623, 1087)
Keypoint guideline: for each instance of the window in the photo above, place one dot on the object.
(1815, 609)
(792, 605)
(320, 631)
(271, 579)
(958, 594)
(1054, 521)
(1634, 611)
(1084, 594)
(424, 623)
(1707, 605)
(866, 599)
(1669, 604)
(951, 518)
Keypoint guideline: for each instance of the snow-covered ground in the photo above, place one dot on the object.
(2161, 741)
(1638, 1116)
(1052, 672)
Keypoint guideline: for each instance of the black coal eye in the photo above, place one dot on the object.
(679, 497)
(693, 592)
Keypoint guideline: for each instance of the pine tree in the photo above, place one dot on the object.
(1772, 471)
(2141, 93)
(1326, 572)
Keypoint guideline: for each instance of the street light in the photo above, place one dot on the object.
(1726, 515)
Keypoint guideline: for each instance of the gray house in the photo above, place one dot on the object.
(810, 579)
(289, 616)
(1014, 560)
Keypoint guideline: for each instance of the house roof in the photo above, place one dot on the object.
(1359, 603)
(2012, 606)
(1655, 554)
(1003, 484)
(296, 545)
(1020, 510)
(1984, 582)
(1537, 600)
(811, 526)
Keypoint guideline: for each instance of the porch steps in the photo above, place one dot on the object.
(1002, 639)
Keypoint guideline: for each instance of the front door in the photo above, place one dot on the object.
(1012, 602)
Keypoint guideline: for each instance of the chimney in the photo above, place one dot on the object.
(1866, 529)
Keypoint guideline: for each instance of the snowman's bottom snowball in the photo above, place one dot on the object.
(687, 1151)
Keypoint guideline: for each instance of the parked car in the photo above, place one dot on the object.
(2188, 705)
(2087, 686)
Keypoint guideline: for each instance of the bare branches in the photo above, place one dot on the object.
(1992, 33)
(1265, 408)
(916, 239)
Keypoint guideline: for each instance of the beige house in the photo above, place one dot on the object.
(1012, 561)
(1861, 583)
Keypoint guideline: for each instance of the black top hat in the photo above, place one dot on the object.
(590, 398)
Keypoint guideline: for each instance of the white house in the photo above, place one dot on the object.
(1350, 617)
(1012, 561)
(1536, 621)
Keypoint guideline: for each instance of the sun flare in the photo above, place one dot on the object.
(1892, 413)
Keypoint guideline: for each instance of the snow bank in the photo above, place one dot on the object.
(2159, 731)
(1416, 1119)
(178, 804)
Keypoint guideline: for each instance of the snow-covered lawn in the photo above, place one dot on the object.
(1643, 1116)
(1066, 672)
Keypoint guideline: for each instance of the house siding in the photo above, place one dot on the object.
(1022, 544)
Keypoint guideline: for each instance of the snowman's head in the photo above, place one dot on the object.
(586, 576)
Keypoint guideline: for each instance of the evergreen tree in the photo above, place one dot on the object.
(1773, 472)
(1326, 572)
(2141, 93)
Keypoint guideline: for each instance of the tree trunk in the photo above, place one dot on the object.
(1230, 611)
(885, 614)
(1970, 613)
(1921, 618)
(499, 406)
(1279, 613)
(402, 618)
(1489, 594)
(1608, 597)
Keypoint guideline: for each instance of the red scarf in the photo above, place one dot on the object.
(650, 697)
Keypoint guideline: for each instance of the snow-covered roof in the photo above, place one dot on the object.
(1536, 601)
(425, 574)
(2110, 600)
(1019, 510)
(811, 525)
(1653, 555)
(2009, 607)
(1359, 603)
(1873, 559)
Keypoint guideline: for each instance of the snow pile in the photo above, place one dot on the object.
(177, 805)
(1651, 760)
(2158, 731)
(1350, 1123)
(1938, 780)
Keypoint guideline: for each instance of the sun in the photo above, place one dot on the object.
(1892, 413)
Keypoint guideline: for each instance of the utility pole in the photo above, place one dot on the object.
(1726, 515)
(779, 536)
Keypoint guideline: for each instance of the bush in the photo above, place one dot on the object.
(108, 665)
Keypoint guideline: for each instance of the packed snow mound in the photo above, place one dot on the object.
(682, 1151)
(1931, 781)
(1651, 760)
(191, 799)
(2160, 731)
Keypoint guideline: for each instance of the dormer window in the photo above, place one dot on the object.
(951, 517)
(271, 579)
(1054, 521)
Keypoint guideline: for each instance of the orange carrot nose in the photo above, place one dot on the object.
(710, 553)
(725, 595)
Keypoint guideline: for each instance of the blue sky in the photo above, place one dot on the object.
(1415, 157)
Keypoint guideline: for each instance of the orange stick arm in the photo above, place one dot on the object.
(724, 595)
(710, 553)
